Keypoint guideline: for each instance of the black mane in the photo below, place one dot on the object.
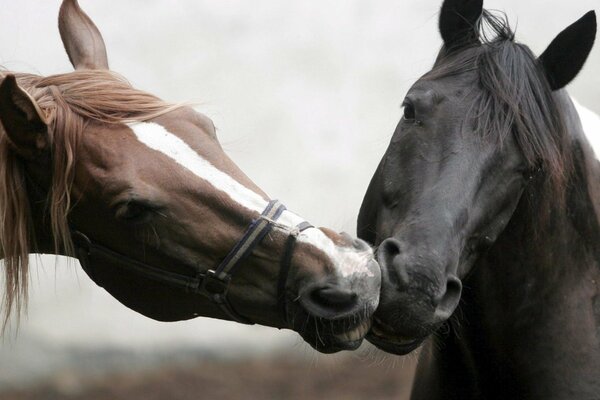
(515, 98)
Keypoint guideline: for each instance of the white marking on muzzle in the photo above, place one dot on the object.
(591, 126)
(347, 261)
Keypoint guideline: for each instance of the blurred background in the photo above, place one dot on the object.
(305, 96)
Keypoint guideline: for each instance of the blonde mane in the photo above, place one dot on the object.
(68, 102)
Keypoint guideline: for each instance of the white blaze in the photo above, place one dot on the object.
(591, 126)
(346, 260)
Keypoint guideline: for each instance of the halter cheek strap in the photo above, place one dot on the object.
(213, 284)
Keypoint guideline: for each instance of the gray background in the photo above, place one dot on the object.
(305, 96)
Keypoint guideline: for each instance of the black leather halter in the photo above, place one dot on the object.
(213, 284)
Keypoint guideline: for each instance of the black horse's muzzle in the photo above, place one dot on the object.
(417, 296)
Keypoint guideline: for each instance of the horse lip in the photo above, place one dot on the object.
(332, 343)
(382, 324)
(354, 334)
(392, 347)
(383, 336)
(339, 346)
(349, 345)
(383, 332)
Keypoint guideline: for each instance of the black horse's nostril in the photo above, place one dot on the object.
(329, 301)
(388, 256)
(448, 300)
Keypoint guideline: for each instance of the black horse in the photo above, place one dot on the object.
(489, 195)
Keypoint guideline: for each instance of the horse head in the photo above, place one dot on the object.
(477, 129)
(155, 207)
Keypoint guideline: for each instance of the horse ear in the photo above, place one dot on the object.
(565, 56)
(81, 38)
(458, 22)
(22, 119)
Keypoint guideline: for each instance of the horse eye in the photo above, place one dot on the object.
(409, 112)
(133, 211)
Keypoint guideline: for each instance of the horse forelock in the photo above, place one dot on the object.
(69, 101)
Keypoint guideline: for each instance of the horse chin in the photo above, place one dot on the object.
(388, 339)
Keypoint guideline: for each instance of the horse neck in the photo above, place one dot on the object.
(529, 325)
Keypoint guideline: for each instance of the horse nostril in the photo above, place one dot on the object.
(329, 301)
(358, 244)
(388, 256)
(449, 299)
(334, 297)
(361, 245)
(388, 250)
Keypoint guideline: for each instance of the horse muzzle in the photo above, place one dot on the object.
(418, 294)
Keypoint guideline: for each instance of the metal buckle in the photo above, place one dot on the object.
(213, 287)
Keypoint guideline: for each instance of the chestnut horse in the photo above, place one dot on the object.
(488, 196)
(140, 191)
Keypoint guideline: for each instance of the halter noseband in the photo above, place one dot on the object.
(213, 284)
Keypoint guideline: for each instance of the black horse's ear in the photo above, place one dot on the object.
(22, 120)
(458, 22)
(565, 56)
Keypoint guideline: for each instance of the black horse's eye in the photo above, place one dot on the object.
(409, 111)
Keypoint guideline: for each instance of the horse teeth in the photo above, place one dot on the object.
(355, 334)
